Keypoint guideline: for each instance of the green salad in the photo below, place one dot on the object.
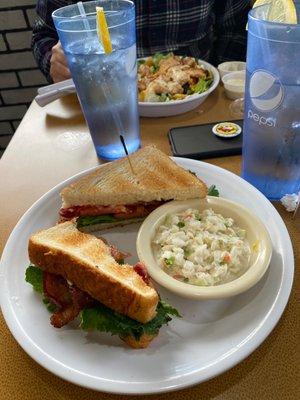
(166, 77)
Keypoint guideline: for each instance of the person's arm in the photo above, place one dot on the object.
(230, 29)
(46, 47)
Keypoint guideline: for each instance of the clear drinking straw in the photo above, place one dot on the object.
(84, 17)
(105, 87)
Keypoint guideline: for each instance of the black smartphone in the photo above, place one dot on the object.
(198, 141)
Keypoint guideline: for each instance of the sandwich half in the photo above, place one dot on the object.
(79, 274)
(115, 194)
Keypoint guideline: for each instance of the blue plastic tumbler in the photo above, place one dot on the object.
(271, 145)
(106, 84)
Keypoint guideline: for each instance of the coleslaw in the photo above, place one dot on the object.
(201, 248)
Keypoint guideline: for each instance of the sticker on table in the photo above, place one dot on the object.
(227, 130)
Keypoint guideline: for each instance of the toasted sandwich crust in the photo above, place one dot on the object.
(142, 343)
(156, 177)
(85, 261)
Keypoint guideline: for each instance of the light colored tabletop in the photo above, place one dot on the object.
(50, 145)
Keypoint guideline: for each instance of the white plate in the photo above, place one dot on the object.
(212, 336)
(176, 107)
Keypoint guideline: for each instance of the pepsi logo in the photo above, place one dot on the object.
(266, 90)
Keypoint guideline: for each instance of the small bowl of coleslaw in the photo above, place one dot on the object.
(204, 249)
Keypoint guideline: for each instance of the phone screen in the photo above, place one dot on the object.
(198, 141)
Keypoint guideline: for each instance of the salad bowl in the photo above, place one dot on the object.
(176, 107)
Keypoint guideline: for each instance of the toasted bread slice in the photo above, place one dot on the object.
(142, 343)
(156, 177)
(85, 261)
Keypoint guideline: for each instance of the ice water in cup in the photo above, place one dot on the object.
(105, 83)
(271, 144)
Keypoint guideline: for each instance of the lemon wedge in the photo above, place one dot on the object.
(283, 11)
(102, 29)
(261, 3)
(257, 4)
(255, 246)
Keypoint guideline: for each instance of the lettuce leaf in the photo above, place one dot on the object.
(201, 86)
(99, 219)
(140, 62)
(164, 97)
(94, 219)
(51, 307)
(104, 319)
(213, 191)
(156, 59)
(34, 276)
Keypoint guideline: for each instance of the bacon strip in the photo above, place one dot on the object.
(90, 210)
(140, 268)
(70, 299)
(56, 289)
(117, 254)
(118, 211)
(80, 300)
(114, 252)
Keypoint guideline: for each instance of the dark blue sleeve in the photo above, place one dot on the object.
(230, 30)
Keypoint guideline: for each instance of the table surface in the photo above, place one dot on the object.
(52, 144)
